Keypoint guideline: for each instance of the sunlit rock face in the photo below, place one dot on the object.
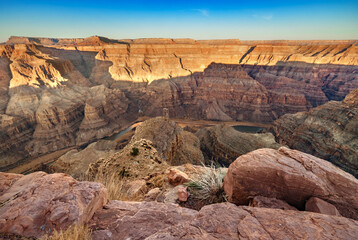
(56, 93)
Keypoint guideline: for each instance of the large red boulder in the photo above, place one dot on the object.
(291, 176)
(38, 203)
(136, 220)
(226, 221)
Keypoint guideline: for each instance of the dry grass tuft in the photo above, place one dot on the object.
(208, 186)
(74, 232)
(115, 183)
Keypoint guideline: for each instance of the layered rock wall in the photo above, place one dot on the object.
(329, 131)
(65, 92)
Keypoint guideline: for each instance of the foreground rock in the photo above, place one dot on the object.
(134, 220)
(224, 144)
(39, 203)
(333, 137)
(318, 205)
(291, 176)
(224, 221)
(265, 202)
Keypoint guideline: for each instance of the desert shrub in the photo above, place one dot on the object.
(208, 186)
(74, 232)
(135, 151)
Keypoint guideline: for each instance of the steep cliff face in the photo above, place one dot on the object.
(5, 76)
(65, 92)
(105, 110)
(44, 122)
(329, 131)
(222, 92)
(16, 132)
(148, 62)
(317, 84)
(344, 54)
(30, 67)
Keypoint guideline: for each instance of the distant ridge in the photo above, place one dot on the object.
(99, 40)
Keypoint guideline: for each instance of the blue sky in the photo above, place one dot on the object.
(208, 19)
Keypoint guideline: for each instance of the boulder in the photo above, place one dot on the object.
(136, 188)
(172, 195)
(265, 202)
(320, 206)
(152, 194)
(136, 220)
(225, 221)
(39, 203)
(291, 176)
(183, 194)
(177, 177)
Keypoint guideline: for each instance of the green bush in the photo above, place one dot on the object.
(135, 151)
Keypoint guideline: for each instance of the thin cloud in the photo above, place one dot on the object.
(266, 17)
(203, 12)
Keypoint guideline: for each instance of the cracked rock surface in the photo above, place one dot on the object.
(39, 203)
(292, 176)
(225, 221)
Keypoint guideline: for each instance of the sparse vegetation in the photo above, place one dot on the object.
(124, 173)
(208, 186)
(74, 232)
(135, 151)
(116, 186)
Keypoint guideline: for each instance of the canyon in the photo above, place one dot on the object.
(145, 138)
(58, 93)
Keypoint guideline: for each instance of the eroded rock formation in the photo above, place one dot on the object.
(137, 160)
(223, 144)
(174, 145)
(75, 162)
(329, 131)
